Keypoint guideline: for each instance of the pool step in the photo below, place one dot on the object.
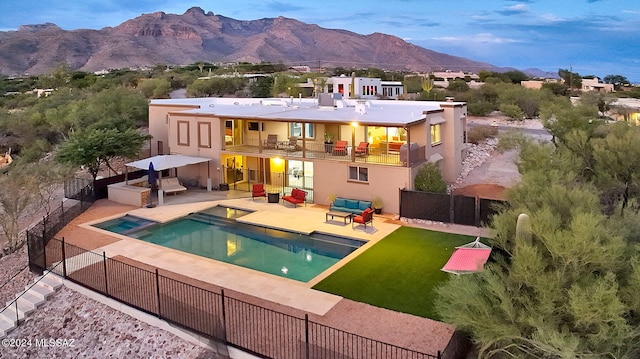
(138, 228)
(210, 219)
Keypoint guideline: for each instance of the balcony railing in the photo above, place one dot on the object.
(314, 150)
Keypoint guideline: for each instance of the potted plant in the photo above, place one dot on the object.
(328, 142)
(331, 198)
(377, 203)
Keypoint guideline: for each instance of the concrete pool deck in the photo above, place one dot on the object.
(281, 290)
(287, 296)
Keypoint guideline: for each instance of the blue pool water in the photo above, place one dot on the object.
(125, 224)
(215, 234)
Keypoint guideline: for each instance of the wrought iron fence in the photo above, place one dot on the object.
(256, 329)
(250, 327)
(80, 195)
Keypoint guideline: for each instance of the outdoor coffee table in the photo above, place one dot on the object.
(343, 215)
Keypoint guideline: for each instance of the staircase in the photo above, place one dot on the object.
(27, 301)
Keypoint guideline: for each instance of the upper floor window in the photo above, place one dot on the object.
(436, 137)
(296, 130)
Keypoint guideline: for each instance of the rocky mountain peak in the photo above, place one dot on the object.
(161, 38)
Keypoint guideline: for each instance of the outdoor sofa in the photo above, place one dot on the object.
(349, 205)
(296, 197)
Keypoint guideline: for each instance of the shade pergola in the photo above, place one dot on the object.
(165, 162)
(469, 258)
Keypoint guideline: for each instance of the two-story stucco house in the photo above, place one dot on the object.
(281, 142)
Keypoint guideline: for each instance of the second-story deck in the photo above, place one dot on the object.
(405, 156)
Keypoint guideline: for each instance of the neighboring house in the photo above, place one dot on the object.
(626, 109)
(594, 84)
(451, 75)
(392, 89)
(364, 87)
(537, 84)
(253, 135)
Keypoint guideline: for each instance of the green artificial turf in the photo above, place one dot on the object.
(399, 273)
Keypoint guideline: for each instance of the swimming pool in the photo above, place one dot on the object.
(214, 233)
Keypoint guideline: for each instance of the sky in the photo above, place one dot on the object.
(590, 37)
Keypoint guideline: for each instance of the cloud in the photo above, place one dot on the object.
(514, 10)
(281, 7)
(634, 12)
(482, 38)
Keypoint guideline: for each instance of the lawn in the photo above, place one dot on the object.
(399, 273)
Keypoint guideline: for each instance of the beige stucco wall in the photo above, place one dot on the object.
(384, 181)
(452, 140)
(199, 172)
(158, 129)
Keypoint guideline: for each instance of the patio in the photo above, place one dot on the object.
(325, 307)
(272, 215)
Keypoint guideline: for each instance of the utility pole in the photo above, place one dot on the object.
(570, 77)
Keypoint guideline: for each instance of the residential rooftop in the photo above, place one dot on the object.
(370, 112)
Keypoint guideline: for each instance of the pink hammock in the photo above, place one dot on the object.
(469, 258)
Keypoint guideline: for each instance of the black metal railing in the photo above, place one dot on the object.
(197, 306)
(80, 195)
(250, 327)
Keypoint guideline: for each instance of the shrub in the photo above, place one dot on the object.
(480, 108)
(429, 179)
(512, 111)
(477, 134)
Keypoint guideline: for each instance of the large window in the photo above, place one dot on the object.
(360, 174)
(436, 138)
(296, 130)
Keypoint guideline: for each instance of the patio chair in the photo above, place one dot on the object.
(257, 190)
(271, 142)
(340, 149)
(365, 218)
(292, 145)
(362, 149)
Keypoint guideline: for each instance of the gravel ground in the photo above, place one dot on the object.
(85, 328)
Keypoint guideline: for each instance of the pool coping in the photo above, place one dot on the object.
(295, 294)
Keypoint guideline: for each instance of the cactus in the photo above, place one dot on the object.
(523, 229)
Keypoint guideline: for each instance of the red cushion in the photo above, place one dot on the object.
(298, 194)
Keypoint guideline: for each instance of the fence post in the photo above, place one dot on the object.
(306, 335)
(224, 316)
(439, 355)
(44, 254)
(44, 228)
(17, 314)
(452, 210)
(64, 261)
(104, 261)
(477, 211)
(158, 293)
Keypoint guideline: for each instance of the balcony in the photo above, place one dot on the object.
(377, 154)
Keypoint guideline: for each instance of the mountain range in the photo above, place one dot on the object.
(170, 39)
